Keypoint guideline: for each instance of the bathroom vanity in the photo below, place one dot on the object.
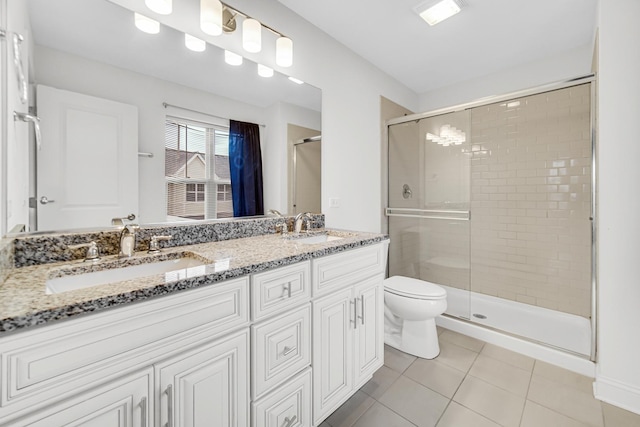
(266, 332)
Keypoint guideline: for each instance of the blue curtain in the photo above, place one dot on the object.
(245, 162)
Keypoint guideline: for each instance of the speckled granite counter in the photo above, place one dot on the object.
(24, 301)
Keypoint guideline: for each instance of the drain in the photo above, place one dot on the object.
(479, 316)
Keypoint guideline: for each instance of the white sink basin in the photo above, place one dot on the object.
(173, 269)
(321, 238)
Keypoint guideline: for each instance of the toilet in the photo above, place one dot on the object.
(411, 306)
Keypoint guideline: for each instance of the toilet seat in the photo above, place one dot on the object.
(414, 288)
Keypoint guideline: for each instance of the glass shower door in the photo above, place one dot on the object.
(429, 176)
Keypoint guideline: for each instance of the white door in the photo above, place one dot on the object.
(87, 166)
(207, 387)
(125, 404)
(333, 318)
(369, 334)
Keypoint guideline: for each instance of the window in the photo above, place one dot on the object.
(224, 192)
(197, 170)
(195, 192)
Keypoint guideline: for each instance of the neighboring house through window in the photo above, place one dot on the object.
(197, 170)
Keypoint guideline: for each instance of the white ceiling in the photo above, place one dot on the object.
(485, 37)
(103, 31)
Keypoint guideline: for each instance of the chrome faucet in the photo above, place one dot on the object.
(299, 219)
(128, 240)
(154, 246)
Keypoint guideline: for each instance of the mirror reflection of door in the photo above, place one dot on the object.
(307, 175)
(87, 166)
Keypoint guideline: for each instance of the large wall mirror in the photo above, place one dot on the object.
(131, 117)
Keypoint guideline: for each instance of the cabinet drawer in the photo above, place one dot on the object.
(280, 348)
(275, 290)
(345, 268)
(61, 359)
(288, 405)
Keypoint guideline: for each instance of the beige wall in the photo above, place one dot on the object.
(531, 200)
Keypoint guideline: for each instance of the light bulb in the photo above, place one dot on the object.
(211, 17)
(264, 71)
(194, 43)
(232, 58)
(251, 35)
(163, 7)
(146, 25)
(284, 52)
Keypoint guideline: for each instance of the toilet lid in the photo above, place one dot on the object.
(416, 288)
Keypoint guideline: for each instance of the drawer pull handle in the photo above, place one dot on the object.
(170, 405)
(287, 289)
(289, 421)
(288, 350)
(143, 409)
(362, 308)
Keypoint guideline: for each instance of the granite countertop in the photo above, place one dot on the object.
(24, 301)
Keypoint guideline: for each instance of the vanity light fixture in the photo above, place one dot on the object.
(217, 17)
(264, 71)
(251, 35)
(145, 24)
(193, 43)
(438, 12)
(232, 58)
(284, 52)
(296, 81)
(211, 17)
(163, 7)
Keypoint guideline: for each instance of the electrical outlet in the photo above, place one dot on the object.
(334, 203)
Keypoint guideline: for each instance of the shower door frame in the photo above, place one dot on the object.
(589, 78)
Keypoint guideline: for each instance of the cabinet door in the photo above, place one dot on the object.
(123, 403)
(333, 319)
(208, 386)
(369, 329)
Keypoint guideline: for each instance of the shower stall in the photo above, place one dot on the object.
(494, 201)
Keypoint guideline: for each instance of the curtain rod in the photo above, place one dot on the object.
(166, 104)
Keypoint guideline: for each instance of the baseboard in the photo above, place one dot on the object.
(547, 354)
(617, 393)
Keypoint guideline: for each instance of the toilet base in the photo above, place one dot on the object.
(419, 338)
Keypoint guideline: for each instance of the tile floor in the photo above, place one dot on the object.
(475, 384)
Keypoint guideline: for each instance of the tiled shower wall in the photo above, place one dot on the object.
(531, 200)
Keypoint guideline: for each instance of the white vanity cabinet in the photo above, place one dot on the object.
(280, 348)
(348, 322)
(198, 340)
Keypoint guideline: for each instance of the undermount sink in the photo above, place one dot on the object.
(173, 269)
(321, 238)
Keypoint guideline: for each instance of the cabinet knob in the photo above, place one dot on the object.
(288, 350)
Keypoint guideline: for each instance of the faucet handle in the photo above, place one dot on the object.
(154, 246)
(93, 254)
(284, 229)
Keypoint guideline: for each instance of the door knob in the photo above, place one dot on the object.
(44, 200)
